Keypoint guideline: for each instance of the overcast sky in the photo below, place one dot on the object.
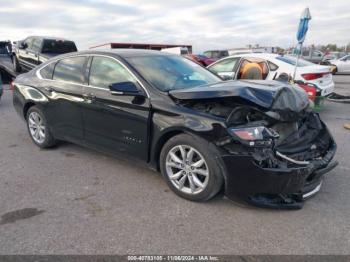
(203, 23)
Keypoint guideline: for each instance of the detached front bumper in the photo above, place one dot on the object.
(284, 188)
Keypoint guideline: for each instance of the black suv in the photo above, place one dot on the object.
(35, 50)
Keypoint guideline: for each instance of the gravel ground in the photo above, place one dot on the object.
(72, 200)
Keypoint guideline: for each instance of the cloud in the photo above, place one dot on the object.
(203, 23)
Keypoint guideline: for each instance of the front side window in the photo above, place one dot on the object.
(36, 44)
(105, 71)
(316, 54)
(167, 72)
(70, 70)
(28, 42)
(226, 65)
(208, 54)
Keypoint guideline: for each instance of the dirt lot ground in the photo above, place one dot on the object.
(71, 200)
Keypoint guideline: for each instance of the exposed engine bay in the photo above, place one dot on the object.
(302, 137)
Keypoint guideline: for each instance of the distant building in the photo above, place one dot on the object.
(140, 46)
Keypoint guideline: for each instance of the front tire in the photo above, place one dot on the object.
(190, 168)
(38, 128)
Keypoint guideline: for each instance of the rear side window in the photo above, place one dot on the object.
(47, 71)
(226, 65)
(55, 46)
(70, 70)
(273, 67)
(105, 71)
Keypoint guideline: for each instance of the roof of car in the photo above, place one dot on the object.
(259, 55)
(125, 53)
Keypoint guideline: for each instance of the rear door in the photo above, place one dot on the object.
(33, 52)
(65, 91)
(344, 64)
(115, 123)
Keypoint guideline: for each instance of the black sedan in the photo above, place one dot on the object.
(257, 141)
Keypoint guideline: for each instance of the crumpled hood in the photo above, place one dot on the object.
(270, 95)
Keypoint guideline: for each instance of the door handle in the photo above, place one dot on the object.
(49, 89)
(89, 97)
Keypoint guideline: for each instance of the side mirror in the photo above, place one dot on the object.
(23, 45)
(226, 75)
(125, 89)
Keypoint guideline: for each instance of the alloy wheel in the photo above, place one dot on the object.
(36, 127)
(187, 169)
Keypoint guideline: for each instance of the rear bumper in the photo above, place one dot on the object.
(327, 90)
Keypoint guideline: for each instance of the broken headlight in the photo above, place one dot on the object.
(255, 136)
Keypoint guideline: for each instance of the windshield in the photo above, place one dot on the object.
(58, 46)
(172, 72)
(292, 61)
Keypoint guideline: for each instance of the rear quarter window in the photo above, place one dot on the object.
(47, 71)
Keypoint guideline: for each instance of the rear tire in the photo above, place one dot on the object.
(190, 168)
(38, 128)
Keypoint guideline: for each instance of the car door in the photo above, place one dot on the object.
(344, 64)
(65, 91)
(23, 56)
(225, 68)
(32, 52)
(115, 123)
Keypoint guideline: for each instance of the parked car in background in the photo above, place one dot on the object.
(255, 140)
(341, 65)
(333, 56)
(270, 66)
(311, 55)
(201, 59)
(216, 54)
(34, 50)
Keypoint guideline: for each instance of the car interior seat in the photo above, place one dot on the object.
(251, 70)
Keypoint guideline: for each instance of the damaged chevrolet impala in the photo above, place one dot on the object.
(257, 141)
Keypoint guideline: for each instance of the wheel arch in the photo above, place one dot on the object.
(26, 107)
(160, 142)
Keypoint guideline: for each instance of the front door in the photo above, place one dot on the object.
(116, 123)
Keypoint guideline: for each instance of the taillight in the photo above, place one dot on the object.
(310, 90)
(313, 76)
(12, 85)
